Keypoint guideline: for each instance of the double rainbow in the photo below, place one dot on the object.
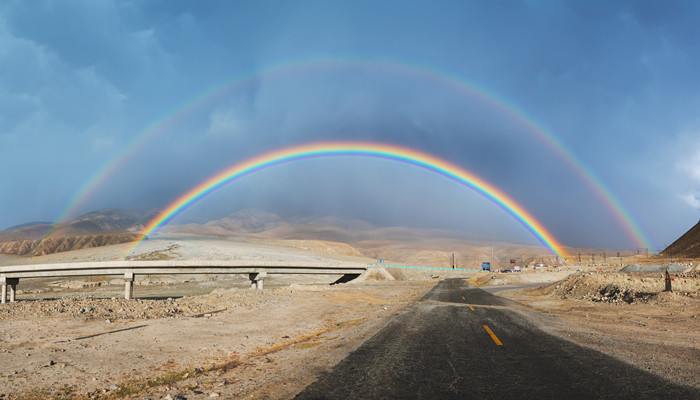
(411, 69)
(356, 149)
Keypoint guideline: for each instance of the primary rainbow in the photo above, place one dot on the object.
(357, 149)
(171, 117)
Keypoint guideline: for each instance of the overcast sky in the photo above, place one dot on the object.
(616, 82)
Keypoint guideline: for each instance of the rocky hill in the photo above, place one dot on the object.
(97, 228)
(39, 247)
(686, 246)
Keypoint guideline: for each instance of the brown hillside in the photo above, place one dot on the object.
(686, 246)
(39, 247)
(98, 228)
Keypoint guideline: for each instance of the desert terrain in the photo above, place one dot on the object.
(202, 337)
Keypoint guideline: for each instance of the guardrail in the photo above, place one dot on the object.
(256, 270)
(423, 268)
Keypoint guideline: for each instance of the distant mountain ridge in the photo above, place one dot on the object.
(263, 224)
(332, 234)
(28, 224)
(412, 246)
(97, 228)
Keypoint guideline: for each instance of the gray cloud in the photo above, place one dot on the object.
(616, 83)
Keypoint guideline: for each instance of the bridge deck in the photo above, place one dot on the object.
(256, 270)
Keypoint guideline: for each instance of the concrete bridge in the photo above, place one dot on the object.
(256, 270)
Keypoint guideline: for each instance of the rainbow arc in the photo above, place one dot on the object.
(413, 70)
(356, 149)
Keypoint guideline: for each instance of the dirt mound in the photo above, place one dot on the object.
(626, 288)
(38, 247)
(654, 268)
(687, 246)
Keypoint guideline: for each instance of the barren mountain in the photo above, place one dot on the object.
(413, 246)
(686, 246)
(39, 247)
(400, 245)
(97, 228)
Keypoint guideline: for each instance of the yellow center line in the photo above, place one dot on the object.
(463, 298)
(495, 339)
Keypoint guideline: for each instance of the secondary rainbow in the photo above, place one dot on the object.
(425, 72)
(357, 149)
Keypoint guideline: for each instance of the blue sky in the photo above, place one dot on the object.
(616, 82)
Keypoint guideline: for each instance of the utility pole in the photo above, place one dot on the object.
(579, 257)
(453, 261)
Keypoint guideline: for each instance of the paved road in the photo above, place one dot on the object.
(441, 349)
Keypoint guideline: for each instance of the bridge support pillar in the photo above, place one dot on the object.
(12, 282)
(4, 283)
(256, 279)
(128, 285)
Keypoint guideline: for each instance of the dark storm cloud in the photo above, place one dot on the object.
(615, 82)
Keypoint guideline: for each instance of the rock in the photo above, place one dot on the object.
(213, 394)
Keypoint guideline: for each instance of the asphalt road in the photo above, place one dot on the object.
(461, 342)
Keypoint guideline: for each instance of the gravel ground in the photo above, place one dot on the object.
(86, 341)
(625, 315)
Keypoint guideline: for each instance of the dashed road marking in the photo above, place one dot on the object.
(493, 336)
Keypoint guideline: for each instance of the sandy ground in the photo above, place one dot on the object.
(86, 353)
(656, 331)
(206, 336)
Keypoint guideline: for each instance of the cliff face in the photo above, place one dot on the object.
(38, 247)
(686, 246)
